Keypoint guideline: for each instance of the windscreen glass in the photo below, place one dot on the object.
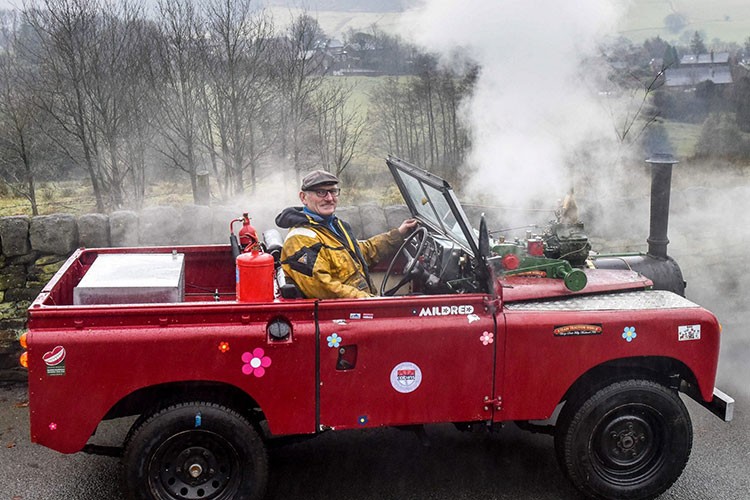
(431, 204)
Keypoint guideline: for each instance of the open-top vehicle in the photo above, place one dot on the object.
(205, 347)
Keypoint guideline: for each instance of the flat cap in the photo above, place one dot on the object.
(317, 178)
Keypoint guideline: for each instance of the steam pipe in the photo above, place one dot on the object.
(661, 184)
(656, 265)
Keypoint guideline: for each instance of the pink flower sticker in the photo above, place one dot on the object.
(487, 338)
(255, 362)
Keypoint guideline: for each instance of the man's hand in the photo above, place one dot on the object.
(407, 226)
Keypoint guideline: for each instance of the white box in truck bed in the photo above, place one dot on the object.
(132, 279)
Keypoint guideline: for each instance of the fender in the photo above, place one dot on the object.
(546, 361)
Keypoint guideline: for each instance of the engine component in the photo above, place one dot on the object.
(515, 260)
(567, 241)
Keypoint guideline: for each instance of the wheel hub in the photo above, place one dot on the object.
(198, 465)
(627, 441)
(194, 467)
(195, 470)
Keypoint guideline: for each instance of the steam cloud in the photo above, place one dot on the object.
(535, 110)
(532, 107)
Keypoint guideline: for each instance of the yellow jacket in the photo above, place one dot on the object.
(324, 264)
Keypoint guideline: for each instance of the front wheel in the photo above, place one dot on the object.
(630, 440)
(193, 451)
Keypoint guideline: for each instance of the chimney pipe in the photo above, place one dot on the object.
(661, 180)
(656, 265)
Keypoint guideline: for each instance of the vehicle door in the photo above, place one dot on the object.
(403, 360)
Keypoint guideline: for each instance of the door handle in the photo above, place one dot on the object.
(347, 358)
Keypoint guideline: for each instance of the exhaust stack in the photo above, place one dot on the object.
(661, 185)
(655, 264)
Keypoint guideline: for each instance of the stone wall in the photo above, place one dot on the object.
(34, 248)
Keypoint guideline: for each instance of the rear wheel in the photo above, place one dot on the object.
(195, 451)
(629, 440)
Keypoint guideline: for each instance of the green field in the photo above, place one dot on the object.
(77, 197)
(683, 137)
(726, 20)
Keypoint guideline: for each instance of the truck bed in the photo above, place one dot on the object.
(209, 274)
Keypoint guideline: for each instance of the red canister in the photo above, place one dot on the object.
(254, 277)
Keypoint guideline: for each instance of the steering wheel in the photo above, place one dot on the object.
(420, 236)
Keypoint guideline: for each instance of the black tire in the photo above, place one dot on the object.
(195, 450)
(629, 440)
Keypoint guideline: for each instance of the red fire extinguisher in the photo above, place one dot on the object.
(255, 271)
(254, 268)
(248, 237)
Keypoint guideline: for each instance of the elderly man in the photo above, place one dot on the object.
(321, 254)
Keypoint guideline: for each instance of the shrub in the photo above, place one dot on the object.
(721, 138)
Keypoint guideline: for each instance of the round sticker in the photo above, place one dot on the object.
(406, 377)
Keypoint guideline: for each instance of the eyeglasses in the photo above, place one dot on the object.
(322, 193)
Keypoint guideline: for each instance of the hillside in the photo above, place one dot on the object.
(337, 22)
(346, 5)
(727, 20)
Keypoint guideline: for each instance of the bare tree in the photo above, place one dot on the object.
(180, 82)
(117, 67)
(60, 26)
(141, 125)
(340, 126)
(380, 51)
(632, 116)
(424, 88)
(300, 70)
(20, 142)
(240, 96)
(386, 112)
(89, 53)
(418, 117)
